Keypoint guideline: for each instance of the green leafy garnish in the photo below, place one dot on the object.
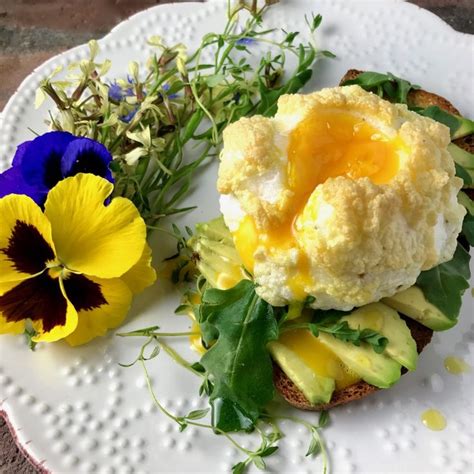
(440, 115)
(238, 362)
(178, 101)
(468, 229)
(343, 331)
(468, 223)
(329, 322)
(458, 126)
(387, 85)
(29, 334)
(463, 173)
(444, 285)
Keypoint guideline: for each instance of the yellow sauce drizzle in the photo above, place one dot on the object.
(433, 419)
(456, 366)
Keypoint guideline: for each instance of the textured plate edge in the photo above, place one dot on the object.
(15, 430)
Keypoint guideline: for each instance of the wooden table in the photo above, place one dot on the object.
(33, 31)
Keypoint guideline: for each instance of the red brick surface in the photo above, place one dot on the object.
(31, 31)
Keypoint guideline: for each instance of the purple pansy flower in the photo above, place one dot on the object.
(39, 164)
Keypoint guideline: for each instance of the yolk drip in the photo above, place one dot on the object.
(318, 357)
(324, 145)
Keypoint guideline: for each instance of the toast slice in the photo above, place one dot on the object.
(421, 334)
(293, 395)
(422, 98)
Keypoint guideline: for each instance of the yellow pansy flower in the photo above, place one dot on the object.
(71, 270)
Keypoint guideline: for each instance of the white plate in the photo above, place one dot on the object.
(76, 410)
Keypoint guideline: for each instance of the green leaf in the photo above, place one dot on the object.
(468, 229)
(268, 451)
(462, 173)
(444, 285)
(387, 85)
(239, 468)
(197, 414)
(440, 115)
(331, 324)
(323, 419)
(259, 463)
(314, 446)
(29, 334)
(238, 362)
(198, 367)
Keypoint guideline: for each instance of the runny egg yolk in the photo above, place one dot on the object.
(324, 145)
(318, 357)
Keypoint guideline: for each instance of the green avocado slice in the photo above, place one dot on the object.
(316, 388)
(383, 319)
(379, 370)
(412, 303)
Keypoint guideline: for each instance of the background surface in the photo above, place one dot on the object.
(31, 31)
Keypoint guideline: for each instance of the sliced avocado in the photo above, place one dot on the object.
(467, 202)
(217, 259)
(316, 389)
(216, 230)
(412, 303)
(379, 370)
(466, 127)
(462, 157)
(383, 319)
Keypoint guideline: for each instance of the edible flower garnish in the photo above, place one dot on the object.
(38, 165)
(70, 272)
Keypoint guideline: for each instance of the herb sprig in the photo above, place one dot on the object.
(267, 426)
(342, 331)
(149, 120)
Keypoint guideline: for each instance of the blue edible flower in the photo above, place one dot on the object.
(245, 41)
(39, 164)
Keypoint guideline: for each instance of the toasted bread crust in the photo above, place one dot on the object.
(421, 334)
(295, 397)
(422, 98)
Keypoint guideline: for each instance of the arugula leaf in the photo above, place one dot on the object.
(387, 85)
(238, 362)
(444, 285)
(462, 173)
(468, 223)
(440, 115)
(468, 229)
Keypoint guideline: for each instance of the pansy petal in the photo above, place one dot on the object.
(6, 326)
(12, 182)
(20, 152)
(142, 274)
(41, 162)
(41, 300)
(96, 321)
(25, 238)
(86, 156)
(57, 332)
(91, 238)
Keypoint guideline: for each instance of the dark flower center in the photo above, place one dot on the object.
(83, 293)
(27, 249)
(88, 162)
(38, 298)
(52, 173)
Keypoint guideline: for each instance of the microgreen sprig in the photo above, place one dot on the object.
(267, 427)
(179, 101)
